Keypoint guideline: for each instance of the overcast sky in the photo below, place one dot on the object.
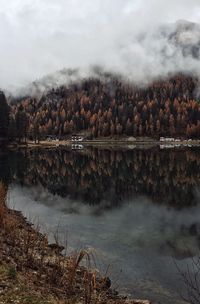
(39, 37)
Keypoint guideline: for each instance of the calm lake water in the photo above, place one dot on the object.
(139, 209)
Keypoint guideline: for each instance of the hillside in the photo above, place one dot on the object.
(111, 107)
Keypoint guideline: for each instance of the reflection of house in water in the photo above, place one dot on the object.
(77, 147)
(167, 146)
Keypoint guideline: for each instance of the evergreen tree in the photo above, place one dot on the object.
(12, 130)
(4, 117)
(21, 123)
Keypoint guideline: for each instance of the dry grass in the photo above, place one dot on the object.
(2, 203)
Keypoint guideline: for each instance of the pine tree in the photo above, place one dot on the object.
(4, 117)
(21, 123)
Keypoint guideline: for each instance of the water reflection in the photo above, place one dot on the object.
(153, 228)
(137, 207)
(108, 177)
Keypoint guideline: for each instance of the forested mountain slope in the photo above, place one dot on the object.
(111, 107)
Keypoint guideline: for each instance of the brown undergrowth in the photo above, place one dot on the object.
(33, 271)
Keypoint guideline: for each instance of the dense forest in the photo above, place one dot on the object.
(4, 118)
(110, 107)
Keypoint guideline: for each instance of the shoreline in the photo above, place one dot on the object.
(107, 142)
(33, 270)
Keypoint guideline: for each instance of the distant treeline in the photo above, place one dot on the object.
(4, 118)
(110, 107)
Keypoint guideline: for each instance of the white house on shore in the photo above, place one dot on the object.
(77, 138)
(167, 139)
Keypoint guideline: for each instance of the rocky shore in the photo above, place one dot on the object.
(34, 271)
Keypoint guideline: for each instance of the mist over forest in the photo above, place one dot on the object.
(139, 40)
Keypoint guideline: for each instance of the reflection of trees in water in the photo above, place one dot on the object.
(98, 175)
(108, 177)
(5, 169)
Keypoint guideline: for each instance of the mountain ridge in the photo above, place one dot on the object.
(167, 107)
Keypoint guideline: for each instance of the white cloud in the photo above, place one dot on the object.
(41, 36)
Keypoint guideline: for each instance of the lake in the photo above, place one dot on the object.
(138, 208)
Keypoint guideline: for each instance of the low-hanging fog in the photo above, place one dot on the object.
(139, 39)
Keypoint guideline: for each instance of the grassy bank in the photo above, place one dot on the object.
(33, 271)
